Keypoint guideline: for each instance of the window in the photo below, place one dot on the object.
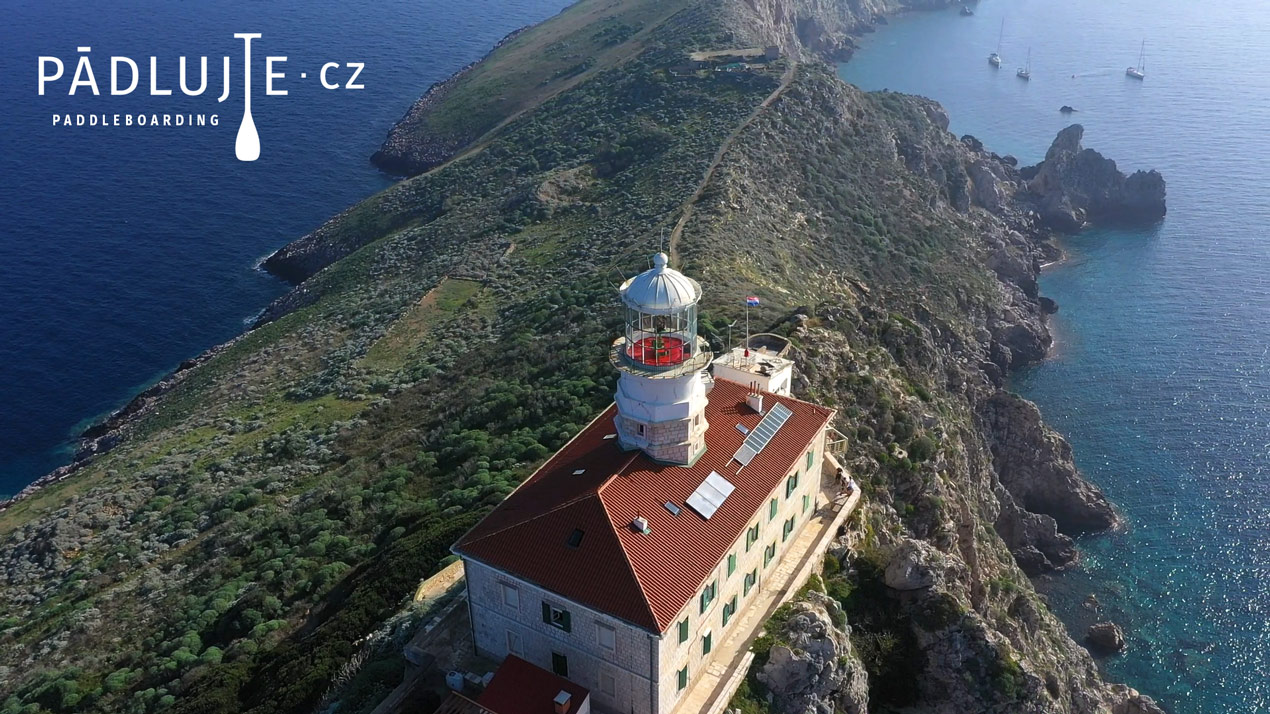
(791, 484)
(729, 610)
(731, 564)
(768, 553)
(556, 617)
(683, 678)
(608, 684)
(751, 537)
(641, 429)
(606, 636)
(811, 459)
(750, 579)
(707, 642)
(560, 664)
(707, 595)
(789, 528)
(511, 596)
(771, 510)
(806, 502)
(575, 539)
(513, 643)
(683, 630)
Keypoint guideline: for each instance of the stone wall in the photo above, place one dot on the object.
(590, 664)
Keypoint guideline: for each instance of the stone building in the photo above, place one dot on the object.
(624, 559)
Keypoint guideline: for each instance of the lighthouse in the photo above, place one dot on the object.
(661, 392)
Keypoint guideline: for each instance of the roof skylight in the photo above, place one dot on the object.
(710, 495)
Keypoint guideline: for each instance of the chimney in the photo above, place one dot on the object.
(640, 524)
(755, 401)
(561, 702)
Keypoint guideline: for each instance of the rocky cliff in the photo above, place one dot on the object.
(1074, 185)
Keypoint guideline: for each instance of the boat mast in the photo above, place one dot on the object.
(1000, 35)
(1142, 57)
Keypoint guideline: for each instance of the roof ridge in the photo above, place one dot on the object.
(626, 559)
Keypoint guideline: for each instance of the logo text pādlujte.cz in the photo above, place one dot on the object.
(125, 75)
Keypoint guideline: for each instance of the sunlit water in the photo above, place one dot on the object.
(126, 250)
(1161, 376)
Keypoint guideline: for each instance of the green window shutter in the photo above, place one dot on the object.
(683, 630)
(704, 602)
(683, 678)
(731, 563)
(546, 613)
(707, 643)
(771, 510)
(811, 459)
(566, 623)
(806, 502)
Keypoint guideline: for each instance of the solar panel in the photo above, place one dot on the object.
(763, 433)
(674, 510)
(710, 495)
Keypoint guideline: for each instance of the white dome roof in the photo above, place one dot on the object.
(662, 290)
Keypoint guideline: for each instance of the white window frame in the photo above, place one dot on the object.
(600, 629)
(514, 592)
(519, 649)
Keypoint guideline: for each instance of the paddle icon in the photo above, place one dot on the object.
(247, 145)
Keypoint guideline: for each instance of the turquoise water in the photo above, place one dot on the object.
(1161, 372)
(124, 251)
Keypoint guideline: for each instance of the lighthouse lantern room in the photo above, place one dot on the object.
(661, 392)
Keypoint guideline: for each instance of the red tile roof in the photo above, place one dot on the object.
(519, 687)
(644, 579)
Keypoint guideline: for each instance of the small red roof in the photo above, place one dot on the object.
(644, 579)
(519, 687)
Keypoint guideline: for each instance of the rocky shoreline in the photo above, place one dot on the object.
(402, 158)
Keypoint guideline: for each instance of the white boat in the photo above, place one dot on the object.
(1025, 72)
(994, 59)
(1140, 71)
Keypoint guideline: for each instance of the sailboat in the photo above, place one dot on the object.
(1140, 71)
(1025, 72)
(994, 59)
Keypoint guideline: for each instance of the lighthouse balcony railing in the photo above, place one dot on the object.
(639, 360)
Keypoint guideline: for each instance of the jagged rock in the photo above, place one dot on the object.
(1035, 465)
(915, 565)
(1133, 702)
(1033, 538)
(1105, 637)
(1074, 184)
(817, 672)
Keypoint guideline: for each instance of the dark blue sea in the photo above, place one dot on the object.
(1161, 372)
(125, 250)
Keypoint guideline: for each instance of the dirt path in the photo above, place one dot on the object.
(686, 209)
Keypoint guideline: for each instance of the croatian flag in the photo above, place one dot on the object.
(752, 301)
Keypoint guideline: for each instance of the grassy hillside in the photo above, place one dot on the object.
(283, 500)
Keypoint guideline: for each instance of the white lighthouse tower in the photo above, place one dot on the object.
(661, 393)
